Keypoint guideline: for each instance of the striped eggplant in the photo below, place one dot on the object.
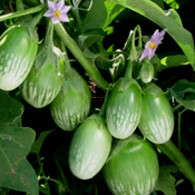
(45, 79)
(18, 49)
(72, 104)
(132, 168)
(123, 110)
(89, 148)
(157, 120)
(146, 72)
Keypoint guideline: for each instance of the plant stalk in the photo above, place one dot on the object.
(19, 5)
(174, 154)
(103, 108)
(21, 13)
(129, 70)
(48, 42)
(90, 68)
(179, 128)
(44, 175)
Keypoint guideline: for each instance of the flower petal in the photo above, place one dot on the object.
(151, 53)
(64, 18)
(155, 35)
(48, 13)
(156, 38)
(59, 5)
(65, 9)
(147, 45)
(162, 33)
(144, 55)
(51, 5)
(55, 20)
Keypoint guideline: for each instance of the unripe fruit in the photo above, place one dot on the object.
(132, 168)
(123, 110)
(157, 120)
(17, 53)
(89, 148)
(72, 104)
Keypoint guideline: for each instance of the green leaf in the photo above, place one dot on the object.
(15, 143)
(173, 14)
(172, 3)
(87, 39)
(113, 10)
(184, 93)
(159, 3)
(103, 61)
(96, 16)
(16, 172)
(165, 20)
(173, 61)
(32, 2)
(166, 181)
(36, 148)
(10, 109)
(23, 179)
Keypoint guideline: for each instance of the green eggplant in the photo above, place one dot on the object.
(89, 148)
(18, 49)
(157, 120)
(124, 107)
(132, 168)
(72, 104)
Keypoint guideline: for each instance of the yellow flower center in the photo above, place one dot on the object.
(57, 14)
(152, 45)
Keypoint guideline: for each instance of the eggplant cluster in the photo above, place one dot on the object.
(129, 162)
(130, 107)
(40, 73)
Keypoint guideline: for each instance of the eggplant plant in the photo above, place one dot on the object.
(97, 97)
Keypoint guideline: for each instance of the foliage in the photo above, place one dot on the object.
(15, 144)
(99, 49)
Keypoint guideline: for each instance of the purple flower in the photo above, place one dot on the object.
(152, 44)
(57, 12)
